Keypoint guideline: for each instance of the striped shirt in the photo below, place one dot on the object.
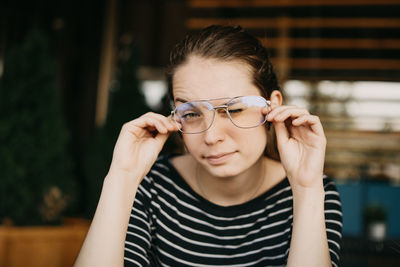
(172, 225)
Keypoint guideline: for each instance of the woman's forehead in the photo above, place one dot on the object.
(209, 79)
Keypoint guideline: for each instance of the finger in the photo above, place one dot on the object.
(288, 112)
(312, 121)
(276, 110)
(159, 125)
(286, 109)
(175, 124)
(168, 124)
(149, 123)
(166, 121)
(279, 108)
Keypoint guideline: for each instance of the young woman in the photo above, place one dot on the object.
(230, 200)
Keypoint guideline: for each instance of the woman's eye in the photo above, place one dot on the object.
(238, 110)
(190, 115)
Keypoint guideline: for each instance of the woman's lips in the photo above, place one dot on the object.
(219, 159)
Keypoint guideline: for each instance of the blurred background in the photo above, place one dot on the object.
(72, 72)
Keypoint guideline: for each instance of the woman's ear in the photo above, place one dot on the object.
(276, 98)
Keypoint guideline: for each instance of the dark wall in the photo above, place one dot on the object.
(155, 25)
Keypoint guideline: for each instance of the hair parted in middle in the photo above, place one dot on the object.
(229, 43)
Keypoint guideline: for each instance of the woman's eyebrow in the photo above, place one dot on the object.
(180, 100)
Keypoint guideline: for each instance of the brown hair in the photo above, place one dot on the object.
(229, 43)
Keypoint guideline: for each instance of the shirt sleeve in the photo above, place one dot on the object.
(333, 219)
(138, 236)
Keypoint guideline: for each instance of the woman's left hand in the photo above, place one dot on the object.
(301, 144)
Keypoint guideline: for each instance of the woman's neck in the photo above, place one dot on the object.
(229, 191)
(233, 190)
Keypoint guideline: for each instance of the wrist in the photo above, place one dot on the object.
(309, 184)
(127, 178)
(312, 193)
(119, 188)
(308, 199)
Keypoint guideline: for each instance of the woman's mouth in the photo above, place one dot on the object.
(218, 159)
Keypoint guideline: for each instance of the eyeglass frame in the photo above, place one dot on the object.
(225, 107)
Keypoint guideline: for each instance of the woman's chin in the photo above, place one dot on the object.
(223, 171)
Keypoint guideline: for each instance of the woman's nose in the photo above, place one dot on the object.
(216, 132)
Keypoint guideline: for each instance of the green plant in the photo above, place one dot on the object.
(36, 184)
(374, 213)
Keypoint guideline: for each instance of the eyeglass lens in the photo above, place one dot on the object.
(244, 112)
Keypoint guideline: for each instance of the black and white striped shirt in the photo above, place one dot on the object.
(171, 225)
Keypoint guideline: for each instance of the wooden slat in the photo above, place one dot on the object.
(343, 172)
(363, 146)
(373, 119)
(343, 63)
(322, 101)
(364, 134)
(363, 141)
(107, 62)
(328, 118)
(333, 43)
(353, 77)
(355, 147)
(356, 160)
(350, 173)
(198, 23)
(284, 3)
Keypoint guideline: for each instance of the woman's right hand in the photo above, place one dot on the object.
(139, 143)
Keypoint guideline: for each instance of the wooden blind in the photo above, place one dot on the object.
(336, 40)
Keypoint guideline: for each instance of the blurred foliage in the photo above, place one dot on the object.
(37, 182)
(374, 213)
(126, 102)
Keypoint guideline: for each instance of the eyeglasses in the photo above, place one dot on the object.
(198, 116)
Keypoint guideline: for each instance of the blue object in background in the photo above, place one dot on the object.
(350, 195)
(355, 195)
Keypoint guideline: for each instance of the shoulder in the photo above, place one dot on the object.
(164, 184)
(161, 168)
(167, 169)
(160, 175)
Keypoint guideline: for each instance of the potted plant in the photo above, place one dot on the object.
(37, 184)
(375, 222)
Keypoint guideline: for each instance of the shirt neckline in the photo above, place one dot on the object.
(252, 204)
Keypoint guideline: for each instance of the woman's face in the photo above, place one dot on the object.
(224, 149)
